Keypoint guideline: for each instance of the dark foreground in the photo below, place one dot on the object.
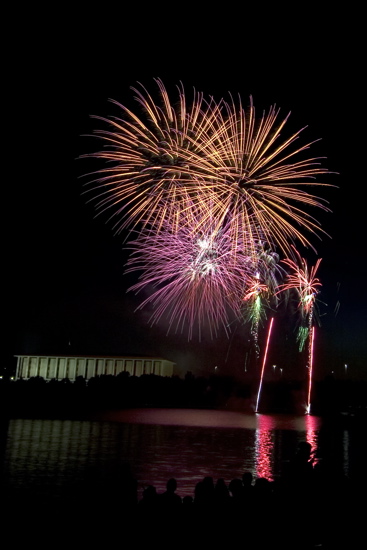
(310, 507)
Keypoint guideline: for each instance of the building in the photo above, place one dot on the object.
(71, 366)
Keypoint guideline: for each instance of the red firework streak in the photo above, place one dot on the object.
(264, 361)
(310, 366)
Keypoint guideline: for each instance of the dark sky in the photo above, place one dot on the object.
(65, 289)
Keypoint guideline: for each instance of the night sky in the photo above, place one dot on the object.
(65, 288)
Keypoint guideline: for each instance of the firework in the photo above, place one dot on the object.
(303, 279)
(157, 163)
(192, 274)
(302, 336)
(263, 365)
(260, 292)
(212, 193)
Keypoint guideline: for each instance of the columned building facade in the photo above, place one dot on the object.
(67, 366)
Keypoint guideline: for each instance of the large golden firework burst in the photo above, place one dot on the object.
(172, 160)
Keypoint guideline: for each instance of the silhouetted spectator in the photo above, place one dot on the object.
(248, 489)
(247, 480)
(150, 499)
(204, 494)
(220, 508)
(187, 501)
(237, 496)
(221, 493)
(170, 500)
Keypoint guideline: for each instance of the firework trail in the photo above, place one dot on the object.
(263, 365)
(310, 366)
(303, 280)
(254, 312)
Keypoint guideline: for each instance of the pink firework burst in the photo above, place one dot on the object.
(194, 274)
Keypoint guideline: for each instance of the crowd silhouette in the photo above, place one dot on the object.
(311, 506)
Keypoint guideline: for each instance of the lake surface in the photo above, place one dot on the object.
(53, 456)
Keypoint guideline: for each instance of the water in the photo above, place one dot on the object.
(50, 457)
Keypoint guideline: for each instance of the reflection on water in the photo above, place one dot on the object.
(264, 446)
(269, 454)
(312, 427)
(50, 456)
